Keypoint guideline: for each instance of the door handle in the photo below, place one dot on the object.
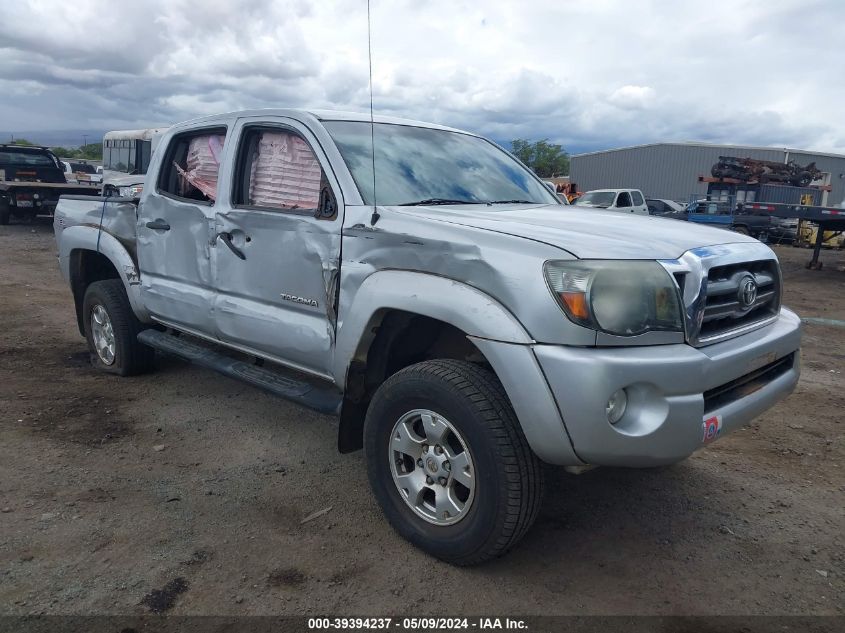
(227, 240)
(158, 225)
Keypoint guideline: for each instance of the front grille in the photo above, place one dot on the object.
(726, 305)
(747, 384)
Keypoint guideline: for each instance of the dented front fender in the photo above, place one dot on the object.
(458, 304)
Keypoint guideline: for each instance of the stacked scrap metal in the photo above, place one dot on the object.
(762, 171)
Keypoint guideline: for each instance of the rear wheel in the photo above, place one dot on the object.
(448, 462)
(741, 230)
(111, 329)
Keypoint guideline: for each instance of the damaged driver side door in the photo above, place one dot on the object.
(277, 247)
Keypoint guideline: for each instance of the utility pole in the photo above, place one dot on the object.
(84, 140)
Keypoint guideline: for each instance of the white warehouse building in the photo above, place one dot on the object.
(672, 170)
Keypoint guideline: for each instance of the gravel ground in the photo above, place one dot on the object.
(184, 492)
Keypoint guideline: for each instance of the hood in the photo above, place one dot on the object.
(585, 233)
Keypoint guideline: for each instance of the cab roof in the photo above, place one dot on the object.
(25, 147)
(319, 115)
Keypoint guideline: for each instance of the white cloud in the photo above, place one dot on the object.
(598, 74)
(632, 97)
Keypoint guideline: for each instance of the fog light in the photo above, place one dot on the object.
(616, 406)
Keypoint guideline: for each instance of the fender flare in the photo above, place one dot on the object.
(90, 238)
(491, 327)
(456, 303)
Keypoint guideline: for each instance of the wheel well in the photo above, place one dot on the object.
(86, 267)
(396, 339)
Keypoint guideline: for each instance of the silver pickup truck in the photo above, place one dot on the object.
(433, 294)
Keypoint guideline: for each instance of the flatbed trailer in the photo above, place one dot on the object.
(827, 218)
(35, 198)
(31, 180)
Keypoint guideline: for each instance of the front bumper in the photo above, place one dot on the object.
(670, 392)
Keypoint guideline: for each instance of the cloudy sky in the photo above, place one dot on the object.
(588, 74)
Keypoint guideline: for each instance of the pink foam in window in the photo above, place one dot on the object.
(203, 163)
(285, 173)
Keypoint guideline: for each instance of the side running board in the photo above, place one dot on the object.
(323, 399)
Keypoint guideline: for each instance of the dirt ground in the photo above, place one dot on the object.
(184, 492)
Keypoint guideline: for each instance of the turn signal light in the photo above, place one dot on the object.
(576, 302)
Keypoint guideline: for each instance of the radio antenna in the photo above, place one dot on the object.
(375, 215)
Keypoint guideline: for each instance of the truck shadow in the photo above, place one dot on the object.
(18, 224)
(614, 521)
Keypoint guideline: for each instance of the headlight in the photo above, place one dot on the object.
(624, 298)
(131, 191)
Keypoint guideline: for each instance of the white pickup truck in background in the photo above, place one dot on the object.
(624, 200)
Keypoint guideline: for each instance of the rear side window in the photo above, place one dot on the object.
(638, 198)
(277, 169)
(191, 165)
(624, 200)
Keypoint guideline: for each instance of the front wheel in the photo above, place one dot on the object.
(111, 329)
(741, 230)
(448, 462)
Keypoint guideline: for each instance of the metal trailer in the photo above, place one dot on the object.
(827, 218)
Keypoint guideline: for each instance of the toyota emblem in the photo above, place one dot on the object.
(747, 292)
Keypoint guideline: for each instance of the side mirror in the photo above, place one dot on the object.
(327, 208)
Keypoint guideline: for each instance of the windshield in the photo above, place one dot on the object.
(31, 158)
(131, 156)
(596, 199)
(417, 164)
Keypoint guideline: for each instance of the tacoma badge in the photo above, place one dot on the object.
(309, 302)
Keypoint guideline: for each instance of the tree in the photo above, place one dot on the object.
(91, 151)
(543, 158)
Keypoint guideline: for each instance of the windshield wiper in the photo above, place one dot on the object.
(433, 201)
(510, 202)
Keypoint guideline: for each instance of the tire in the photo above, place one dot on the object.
(741, 230)
(129, 357)
(507, 478)
(5, 214)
